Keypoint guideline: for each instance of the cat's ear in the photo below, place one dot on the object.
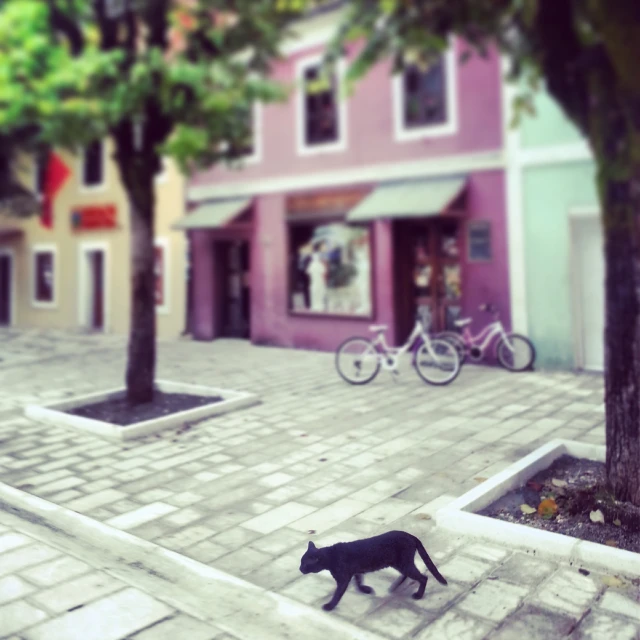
(311, 546)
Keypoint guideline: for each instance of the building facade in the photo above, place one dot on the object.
(358, 211)
(70, 267)
(557, 263)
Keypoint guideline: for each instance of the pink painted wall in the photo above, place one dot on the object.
(370, 130)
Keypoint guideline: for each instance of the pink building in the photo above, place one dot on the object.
(354, 212)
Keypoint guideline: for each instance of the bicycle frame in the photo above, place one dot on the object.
(485, 336)
(380, 343)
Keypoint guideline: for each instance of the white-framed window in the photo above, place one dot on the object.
(162, 273)
(321, 113)
(93, 166)
(40, 164)
(425, 101)
(44, 260)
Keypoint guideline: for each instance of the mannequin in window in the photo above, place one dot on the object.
(317, 272)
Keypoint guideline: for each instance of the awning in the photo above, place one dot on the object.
(213, 215)
(409, 199)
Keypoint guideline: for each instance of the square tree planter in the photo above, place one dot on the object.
(54, 413)
(460, 515)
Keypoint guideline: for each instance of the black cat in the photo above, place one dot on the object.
(346, 560)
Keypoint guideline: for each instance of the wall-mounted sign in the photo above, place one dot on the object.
(325, 203)
(93, 217)
(479, 241)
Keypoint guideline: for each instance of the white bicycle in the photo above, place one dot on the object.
(358, 360)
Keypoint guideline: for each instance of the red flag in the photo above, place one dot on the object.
(55, 177)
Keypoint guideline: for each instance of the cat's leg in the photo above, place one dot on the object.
(343, 583)
(397, 583)
(413, 573)
(362, 587)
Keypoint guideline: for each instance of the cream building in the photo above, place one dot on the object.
(76, 274)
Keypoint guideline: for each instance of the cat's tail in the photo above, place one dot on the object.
(429, 562)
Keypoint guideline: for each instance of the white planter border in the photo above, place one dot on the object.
(460, 517)
(53, 413)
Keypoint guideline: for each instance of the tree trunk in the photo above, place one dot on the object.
(141, 362)
(622, 337)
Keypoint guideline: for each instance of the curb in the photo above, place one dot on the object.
(460, 516)
(232, 604)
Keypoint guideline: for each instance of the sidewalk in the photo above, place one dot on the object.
(46, 593)
(322, 460)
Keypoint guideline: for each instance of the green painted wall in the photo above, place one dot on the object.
(549, 193)
(548, 127)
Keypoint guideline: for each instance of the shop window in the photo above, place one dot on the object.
(93, 164)
(321, 114)
(160, 252)
(479, 241)
(330, 269)
(41, 164)
(44, 264)
(425, 99)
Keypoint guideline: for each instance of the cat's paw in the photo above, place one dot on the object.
(417, 596)
(329, 606)
(366, 589)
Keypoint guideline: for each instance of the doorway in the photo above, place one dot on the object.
(6, 288)
(92, 289)
(235, 288)
(428, 273)
(589, 276)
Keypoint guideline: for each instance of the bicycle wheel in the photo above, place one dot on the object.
(438, 362)
(357, 361)
(518, 354)
(456, 340)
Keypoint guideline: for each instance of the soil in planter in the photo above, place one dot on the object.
(576, 489)
(117, 411)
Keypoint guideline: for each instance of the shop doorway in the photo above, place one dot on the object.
(92, 289)
(235, 288)
(428, 274)
(6, 288)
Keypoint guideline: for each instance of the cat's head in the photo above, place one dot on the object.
(311, 561)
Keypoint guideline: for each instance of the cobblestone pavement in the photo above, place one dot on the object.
(46, 593)
(322, 460)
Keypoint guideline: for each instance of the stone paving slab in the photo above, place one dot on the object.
(48, 593)
(326, 461)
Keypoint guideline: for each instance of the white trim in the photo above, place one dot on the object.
(341, 103)
(448, 128)
(312, 32)
(257, 115)
(13, 283)
(431, 167)
(34, 178)
(555, 154)
(94, 188)
(83, 283)
(53, 250)
(163, 242)
(589, 211)
(161, 178)
(514, 200)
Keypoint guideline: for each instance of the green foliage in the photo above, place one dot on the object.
(69, 75)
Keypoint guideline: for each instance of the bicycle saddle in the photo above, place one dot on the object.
(463, 322)
(378, 327)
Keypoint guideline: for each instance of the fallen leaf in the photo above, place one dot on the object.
(322, 460)
(612, 581)
(584, 572)
(611, 543)
(547, 508)
(597, 516)
(617, 522)
(526, 509)
(424, 516)
(536, 486)
(479, 479)
(558, 483)
(311, 531)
